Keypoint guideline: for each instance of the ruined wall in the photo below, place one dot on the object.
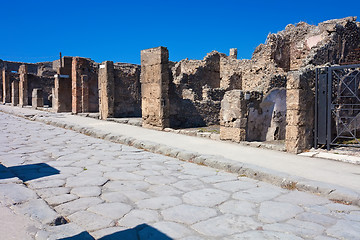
(127, 90)
(85, 91)
(195, 93)
(44, 83)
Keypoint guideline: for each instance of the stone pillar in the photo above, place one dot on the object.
(62, 90)
(154, 87)
(23, 86)
(85, 93)
(106, 90)
(233, 53)
(14, 93)
(80, 84)
(6, 86)
(37, 98)
(300, 111)
(234, 114)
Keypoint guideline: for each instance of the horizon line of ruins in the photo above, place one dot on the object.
(269, 97)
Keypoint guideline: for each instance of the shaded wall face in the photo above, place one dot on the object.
(127, 99)
(268, 121)
(46, 84)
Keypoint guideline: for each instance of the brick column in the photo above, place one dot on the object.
(37, 98)
(154, 87)
(234, 114)
(14, 93)
(106, 90)
(300, 111)
(6, 86)
(80, 84)
(23, 86)
(62, 90)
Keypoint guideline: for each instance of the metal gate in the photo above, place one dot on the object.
(337, 106)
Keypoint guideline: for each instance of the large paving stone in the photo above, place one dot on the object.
(137, 217)
(189, 185)
(60, 199)
(235, 207)
(85, 181)
(111, 210)
(92, 191)
(225, 225)
(123, 176)
(46, 184)
(164, 190)
(126, 185)
(37, 209)
(206, 197)
(303, 229)
(172, 230)
(316, 218)
(15, 193)
(66, 231)
(51, 192)
(344, 229)
(159, 202)
(272, 212)
(188, 214)
(77, 205)
(258, 194)
(268, 235)
(235, 186)
(91, 221)
(114, 197)
(302, 198)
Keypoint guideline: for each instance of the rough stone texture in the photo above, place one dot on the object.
(6, 86)
(84, 86)
(14, 93)
(37, 98)
(23, 86)
(106, 90)
(234, 114)
(62, 90)
(154, 87)
(300, 110)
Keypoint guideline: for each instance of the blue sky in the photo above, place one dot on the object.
(35, 31)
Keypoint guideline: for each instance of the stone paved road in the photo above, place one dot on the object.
(111, 191)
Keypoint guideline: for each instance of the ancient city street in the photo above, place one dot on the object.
(112, 191)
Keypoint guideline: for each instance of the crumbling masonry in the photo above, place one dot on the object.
(269, 97)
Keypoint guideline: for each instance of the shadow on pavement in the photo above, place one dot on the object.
(27, 172)
(140, 232)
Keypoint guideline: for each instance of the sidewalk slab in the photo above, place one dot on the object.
(336, 180)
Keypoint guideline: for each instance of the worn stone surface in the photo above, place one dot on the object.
(129, 188)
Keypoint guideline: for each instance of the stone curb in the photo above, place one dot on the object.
(330, 191)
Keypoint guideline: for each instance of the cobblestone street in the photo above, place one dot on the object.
(71, 184)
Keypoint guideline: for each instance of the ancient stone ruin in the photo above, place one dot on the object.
(267, 98)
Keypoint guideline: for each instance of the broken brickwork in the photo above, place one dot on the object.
(84, 86)
(119, 88)
(155, 87)
(234, 114)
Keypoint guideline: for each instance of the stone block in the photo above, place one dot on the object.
(232, 134)
(62, 94)
(299, 99)
(23, 86)
(155, 87)
(106, 89)
(298, 139)
(14, 93)
(233, 53)
(37, 98)
(154, 56)
(302, 79)
(297, 117)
